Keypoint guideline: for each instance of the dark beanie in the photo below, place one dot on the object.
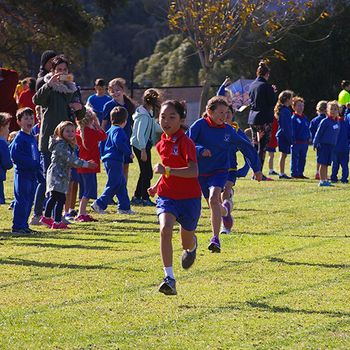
(48, 54)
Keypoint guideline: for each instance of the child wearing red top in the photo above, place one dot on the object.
(89, 134)
(179, 193)
(272, 145)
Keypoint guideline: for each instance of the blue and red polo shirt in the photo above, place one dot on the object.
(177, 151)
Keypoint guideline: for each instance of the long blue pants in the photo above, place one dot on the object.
(2, 193)
(340, 159)
(116, 185)
(24, 196)
(298, 159)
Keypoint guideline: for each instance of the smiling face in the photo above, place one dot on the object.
(333, 110)
(299, 107)
(26, 123)
(116, 91)
(68, 133)
(219, 115)
(170, 120)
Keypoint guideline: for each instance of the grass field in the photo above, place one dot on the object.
(282, 280)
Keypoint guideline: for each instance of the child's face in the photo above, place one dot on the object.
(116, 91)
(229, 116)
(100, 89)
(62, 68)
(4, 131)
(170, 120)
(299, 107)
(218, 116)
(333, 111)
(69, 133)
(288, 102)
(26, 123)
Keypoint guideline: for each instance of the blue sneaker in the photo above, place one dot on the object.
(168, 286)
(214, 245)
(148, 203)
(136, 201)
(325, 184)
(188, 258)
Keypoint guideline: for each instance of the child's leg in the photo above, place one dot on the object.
(283, 157)
(82, 206)
(335, 167)
(126, 171)
(345, 167)
(226, 194)
(294, 160)
(23, 191)
(114, 171)
(167, 222)
(271, 159)
(302, 159)
(187, 239)
(2, 194)
(50, 204)
(216, 209)
(122, 194)
(58, 209)
(323, 172)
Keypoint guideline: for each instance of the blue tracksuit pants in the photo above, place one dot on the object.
(298, 159)
(2, 193)
(24, 196)
(116, 185)
(340, 159)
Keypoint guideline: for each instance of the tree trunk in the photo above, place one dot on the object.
(205, 90)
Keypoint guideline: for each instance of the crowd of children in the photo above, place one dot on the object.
(196, 162)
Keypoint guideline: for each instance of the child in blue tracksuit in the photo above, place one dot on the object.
(115, 150)
(284, 132)
(321, 110)
(301, 138)
(25, 156)
(213, 139)
(325, 140)
(341, 152)
(5, 159)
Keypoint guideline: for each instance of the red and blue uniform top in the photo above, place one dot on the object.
(177, 151)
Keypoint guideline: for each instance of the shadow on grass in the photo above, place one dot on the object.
(20, 262)
(296, 263)
(286, 309)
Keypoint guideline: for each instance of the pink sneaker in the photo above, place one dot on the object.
(85, 218)
(59, 226)
(46, 221)
(317, 176)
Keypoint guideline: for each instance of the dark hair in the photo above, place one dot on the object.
(282, 98)
(58, 60)
(263, 69)
(5, 118)
(215, 101)
(179, 107)
(118, 115)
(151, 97)
(100, 82)
(345, 83)
(22, 111)
(31, 83)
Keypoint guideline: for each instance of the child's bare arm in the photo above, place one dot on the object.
(186, 172)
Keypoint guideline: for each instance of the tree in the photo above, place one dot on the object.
(216, 27)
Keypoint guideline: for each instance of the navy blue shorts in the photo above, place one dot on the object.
(232, 176)
(271, 149)
(216, 180)
(324, 154)
(284, 147)
(186, 211)
(88, 186)
(74, 176)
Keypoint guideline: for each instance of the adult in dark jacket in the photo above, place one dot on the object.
(45, 67)
(263, 99)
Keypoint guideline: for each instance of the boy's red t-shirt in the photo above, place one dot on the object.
(90, 150)
(176, 152)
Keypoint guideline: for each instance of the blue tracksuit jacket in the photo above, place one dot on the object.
(315, 122)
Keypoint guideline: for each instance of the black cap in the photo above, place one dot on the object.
(48, 54)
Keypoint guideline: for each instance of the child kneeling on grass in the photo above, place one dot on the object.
(179, 193)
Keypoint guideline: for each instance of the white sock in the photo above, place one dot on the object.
(281, 174)
(168, 271)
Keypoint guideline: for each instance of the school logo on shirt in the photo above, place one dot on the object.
(175, 150)
(227, 138)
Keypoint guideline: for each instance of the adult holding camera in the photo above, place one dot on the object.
(263, 98)
(58, 96)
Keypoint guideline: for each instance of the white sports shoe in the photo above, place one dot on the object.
(97, 209)
(224, 230)
(126, 212)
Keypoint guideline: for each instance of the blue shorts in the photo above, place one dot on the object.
(74, 176)
(216, 180)
(186, 211)
(232, 176)
(88, 186)
(284, 147)
(271, 149)
(324, 154)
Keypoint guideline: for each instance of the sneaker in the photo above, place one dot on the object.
(84, 218)
(22, 232)
(304, 177)
(344, 181)
(325, 184)
(284, 176)
(136, 201)
(35, 220)
(68, 220)
(227, 220)
(46, 221)
(59, 226)
(30, 231)
(188, 258)
(214, 245)
(71, 215)
(224, 230)
(148, 203)
(97, 209)
(272, 172)
(126, 212)
(168, 286)
(317, 176)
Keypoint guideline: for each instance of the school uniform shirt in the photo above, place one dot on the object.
(301, 132)
(284, 132)
(177, 151)
(89, 150)
(218, 139)
(342, 145)
(273, 140)
(315, 122)
(5, 159)
(327, 132)
(25, 156)
(97, 103)
(117, 145)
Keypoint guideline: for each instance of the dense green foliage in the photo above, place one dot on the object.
(281, 281)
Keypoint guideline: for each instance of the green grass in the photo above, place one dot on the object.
(282, 280)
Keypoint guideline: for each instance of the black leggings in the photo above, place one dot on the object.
(55, 205)
(146, 174)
